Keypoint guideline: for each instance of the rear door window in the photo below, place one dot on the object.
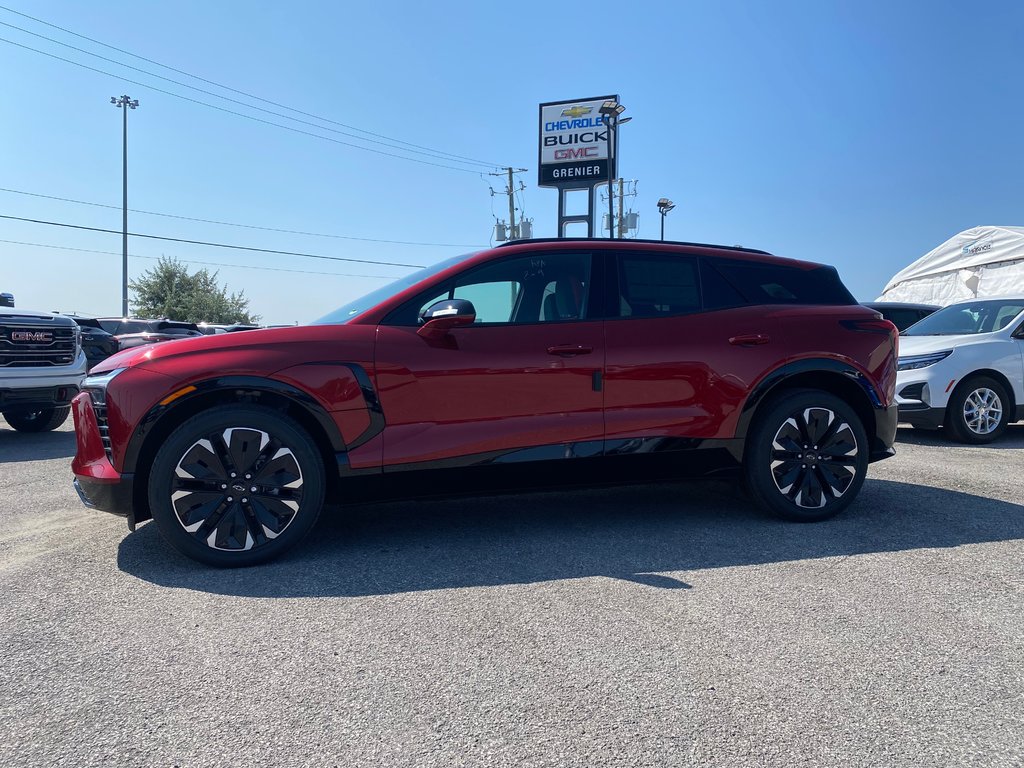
(657, 285)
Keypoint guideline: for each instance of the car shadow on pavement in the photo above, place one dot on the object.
(643, 534)
(29, 446)
(1012, 438)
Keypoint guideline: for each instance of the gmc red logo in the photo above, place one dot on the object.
(38, 336)
(577, 153)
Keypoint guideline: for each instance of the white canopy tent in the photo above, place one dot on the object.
(978, 262)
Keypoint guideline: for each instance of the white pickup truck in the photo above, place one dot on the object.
(42, 366)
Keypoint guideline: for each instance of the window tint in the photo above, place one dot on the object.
(131, 326)
(545, 287)
(902, 318)
(761, 283)
(716, 291)
(652, 285)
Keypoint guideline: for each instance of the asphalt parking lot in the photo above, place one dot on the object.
(663, 625)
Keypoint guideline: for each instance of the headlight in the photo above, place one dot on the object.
(97, 384)
(921, 361)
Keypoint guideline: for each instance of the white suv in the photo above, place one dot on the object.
(963, 368)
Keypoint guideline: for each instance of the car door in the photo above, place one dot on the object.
(521, 383)
(674, 370)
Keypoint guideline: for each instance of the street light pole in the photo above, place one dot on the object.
(611, 178)
(610, 112)
(664, 206)
(124, 103)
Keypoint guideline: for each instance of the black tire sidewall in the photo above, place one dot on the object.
(757, 458)
(47, 421)
(256, 417)
(957, 426)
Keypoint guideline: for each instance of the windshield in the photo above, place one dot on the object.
(976, 317)
(346, 312)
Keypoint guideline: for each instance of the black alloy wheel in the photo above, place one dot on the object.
(43, 420)
(806, 456)
(236, 486)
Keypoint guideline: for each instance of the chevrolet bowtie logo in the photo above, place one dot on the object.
(577, 111)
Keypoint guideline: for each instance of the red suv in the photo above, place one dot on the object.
(582, 355)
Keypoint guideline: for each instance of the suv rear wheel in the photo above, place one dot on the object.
(236, 486)
(806, 456)
(43, 420)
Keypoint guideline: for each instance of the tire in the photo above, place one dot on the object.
(978, 411)
(806, 456)
(201, 481)
(44, 420)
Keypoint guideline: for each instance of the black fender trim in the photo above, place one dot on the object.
(377, 422)
(809, 365)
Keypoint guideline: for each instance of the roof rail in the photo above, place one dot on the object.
(630, 240)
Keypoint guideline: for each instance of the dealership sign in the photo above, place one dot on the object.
(574, 143)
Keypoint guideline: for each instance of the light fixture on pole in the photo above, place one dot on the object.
(610, 112)
(664, 206)
(124, 103)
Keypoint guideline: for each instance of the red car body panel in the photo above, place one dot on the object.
(680, 376)
(489, 389)
(90, 459)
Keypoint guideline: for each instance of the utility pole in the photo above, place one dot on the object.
(124, 103)
(510, 190)
(622, 216)
(511, 204)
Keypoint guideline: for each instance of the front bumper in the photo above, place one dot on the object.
(36, 398)
(99, 485)
(922, 416)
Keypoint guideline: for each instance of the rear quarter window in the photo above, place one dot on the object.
(762, 283)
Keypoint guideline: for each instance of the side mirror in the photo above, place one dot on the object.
(442, 316)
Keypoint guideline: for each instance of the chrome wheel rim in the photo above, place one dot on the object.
(236, 489)
(983, 410)
(814, 458)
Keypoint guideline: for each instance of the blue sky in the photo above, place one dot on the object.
(860, 134)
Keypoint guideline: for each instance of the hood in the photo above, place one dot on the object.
(28, 316)
(923, 345)
(263, 350)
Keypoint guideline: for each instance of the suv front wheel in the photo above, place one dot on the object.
(806, 456)
(236, 486)
(43, 420)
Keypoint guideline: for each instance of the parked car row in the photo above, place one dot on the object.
(103, 336)
(44, 356)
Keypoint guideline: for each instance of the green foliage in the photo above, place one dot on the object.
(168, 290)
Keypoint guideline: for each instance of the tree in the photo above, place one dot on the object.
(168, 290)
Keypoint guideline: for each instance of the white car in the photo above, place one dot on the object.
(963, 368)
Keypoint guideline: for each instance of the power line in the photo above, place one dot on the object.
(212, 245)
(193, 261)
(224, 87)
(233, 112)
(428, 153)
(243, 226)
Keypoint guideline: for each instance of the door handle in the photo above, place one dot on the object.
(569, 350)
(749, 340)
